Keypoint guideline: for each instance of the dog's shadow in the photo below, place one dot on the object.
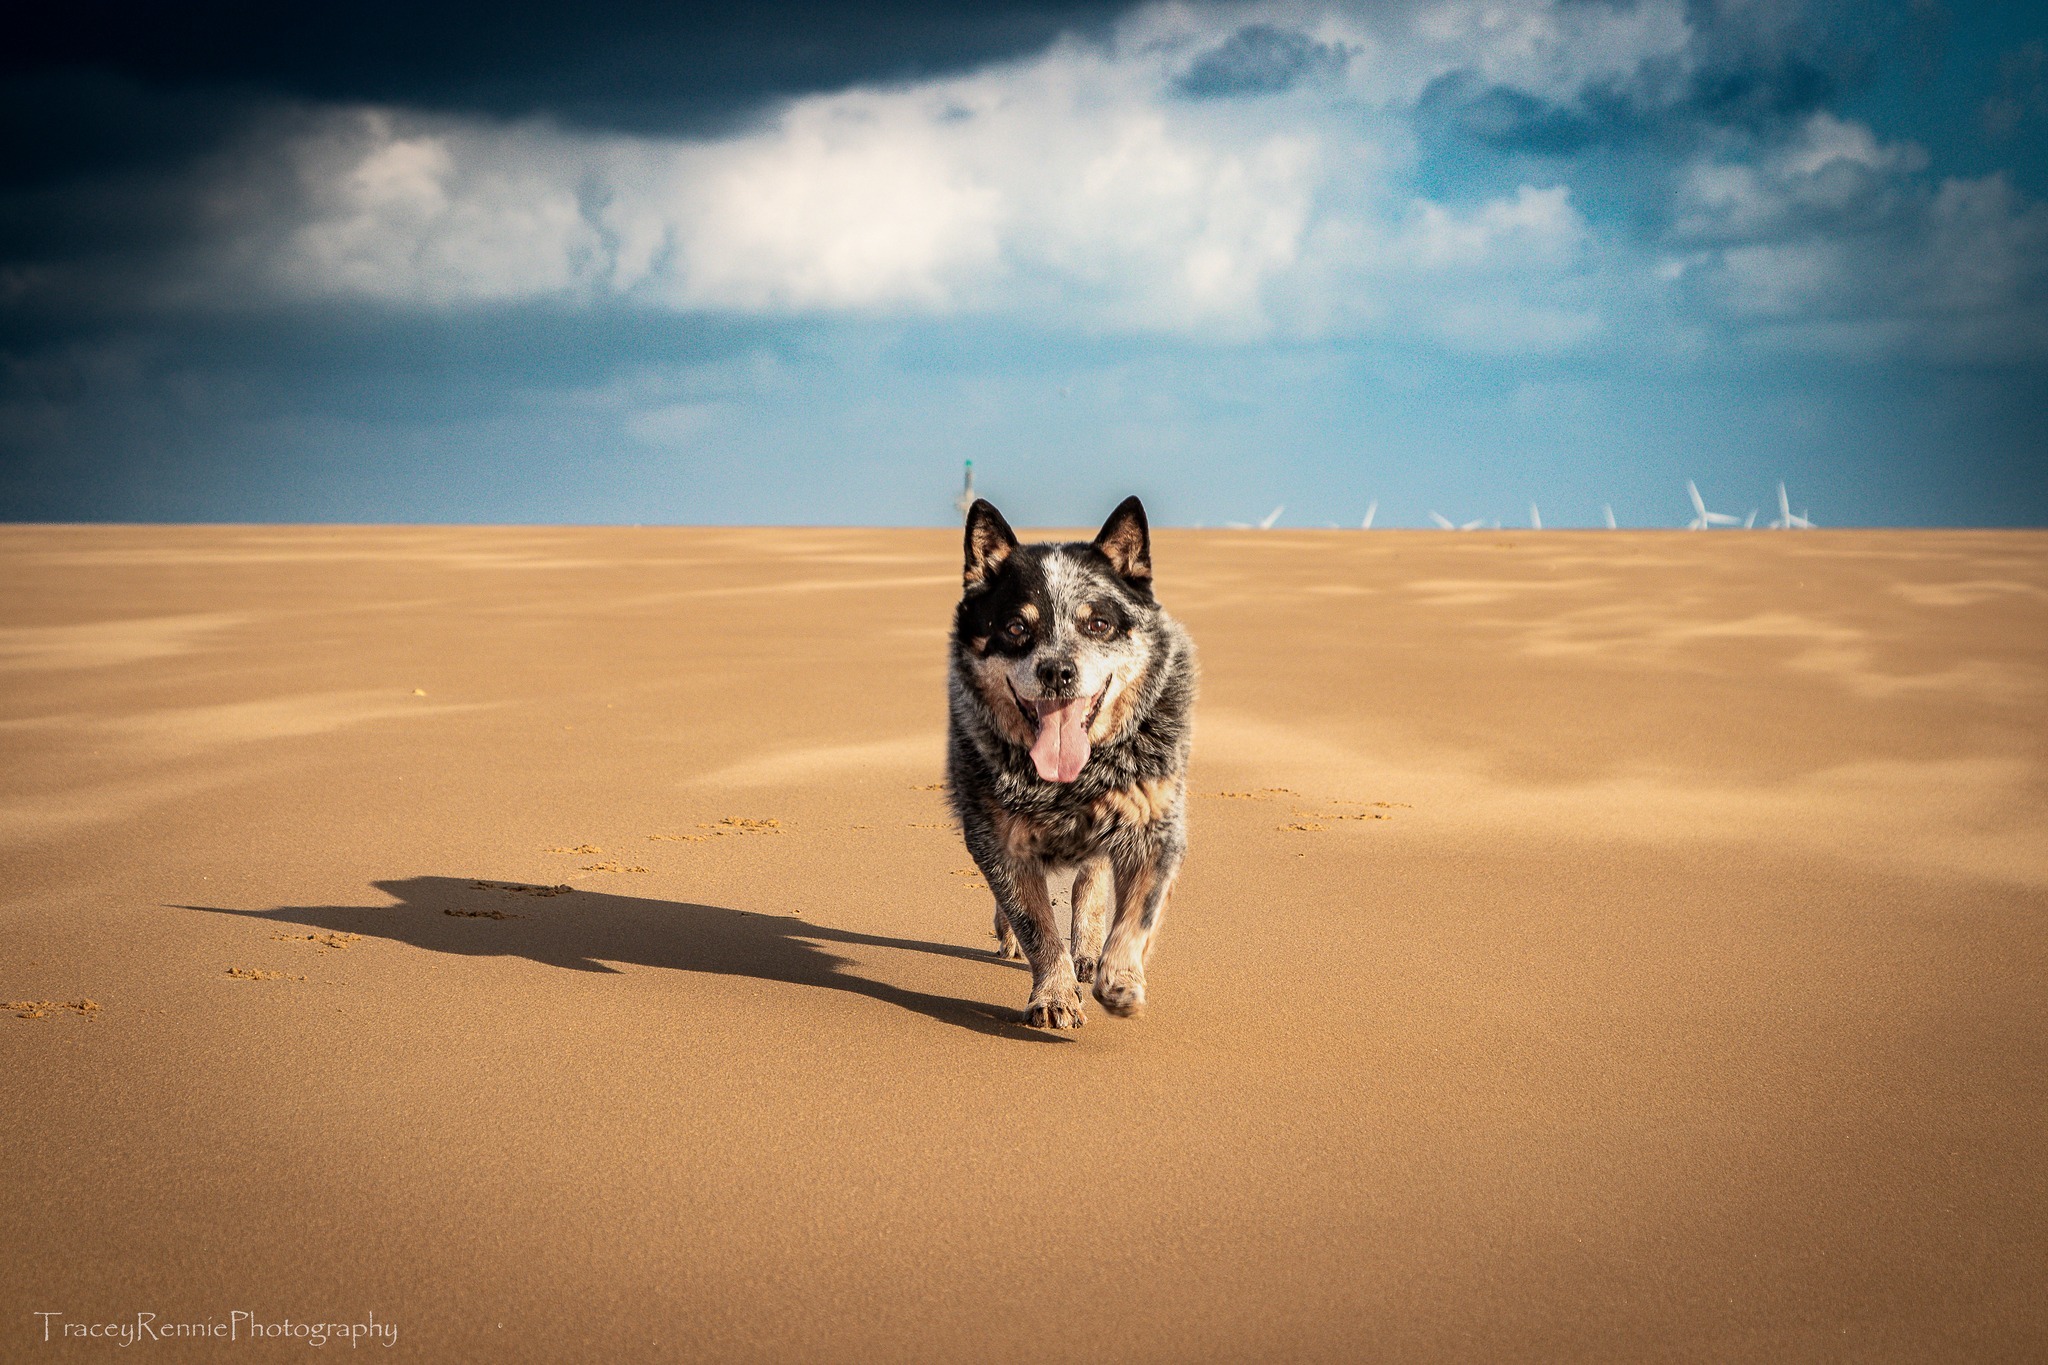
(586, 931)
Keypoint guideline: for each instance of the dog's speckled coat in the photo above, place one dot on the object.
(1041, 627)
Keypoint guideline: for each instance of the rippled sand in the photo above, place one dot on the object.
(1594, 946)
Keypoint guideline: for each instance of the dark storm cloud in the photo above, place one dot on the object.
(1658, 102)
(111, 114)
(1260, 59)
(636, 67)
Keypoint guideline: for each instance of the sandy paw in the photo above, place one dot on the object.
(1121, 995)
(1059, 1011)
(1007, 946)
(1084, 969)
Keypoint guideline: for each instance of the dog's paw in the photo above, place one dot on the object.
(1084, 969)
(1123, 994)
(1007, 946)
(1055, 1012)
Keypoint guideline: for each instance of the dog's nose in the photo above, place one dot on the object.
(1057, 676)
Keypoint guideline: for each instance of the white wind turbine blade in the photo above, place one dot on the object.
(1788, 520)
(1749, 523)
(1237, 526)
(1608, 508)
(1535, 518)
(1702, 518)
(1271, 517)
(1372, 508)
(1473, 524)
(1442, 520)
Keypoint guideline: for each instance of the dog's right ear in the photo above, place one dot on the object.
(989, 542)
(1127, 541)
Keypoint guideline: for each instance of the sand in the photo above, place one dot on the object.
(552, 942)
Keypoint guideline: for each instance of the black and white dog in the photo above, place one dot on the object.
(1069, 729)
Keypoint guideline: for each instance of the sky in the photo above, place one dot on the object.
(449, 262)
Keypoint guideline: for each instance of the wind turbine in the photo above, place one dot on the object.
(1371, 509)
(966, 498)
(1786, 521)
(1265, 523)
(1608, 508)
(1749, 522)
(1702, 518)
(1535, 518)
(1450, 525)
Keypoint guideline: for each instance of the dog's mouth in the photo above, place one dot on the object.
(1061, 723)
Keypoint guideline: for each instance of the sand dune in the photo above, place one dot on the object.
(1594, 946)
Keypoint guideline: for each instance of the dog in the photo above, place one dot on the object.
(1070, 701)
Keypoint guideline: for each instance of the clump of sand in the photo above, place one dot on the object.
(39, 1009)
(718, 829)
(322, 942)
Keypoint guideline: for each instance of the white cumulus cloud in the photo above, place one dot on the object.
(1209, 171)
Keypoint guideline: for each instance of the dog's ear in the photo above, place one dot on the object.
(1127, 541)
(989, 542)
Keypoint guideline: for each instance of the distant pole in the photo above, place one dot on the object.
(966, 499)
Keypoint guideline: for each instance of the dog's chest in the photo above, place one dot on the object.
(1073, 831)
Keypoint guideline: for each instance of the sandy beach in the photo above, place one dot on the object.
(1593, 946)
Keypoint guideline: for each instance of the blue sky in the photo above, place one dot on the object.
(650, 264)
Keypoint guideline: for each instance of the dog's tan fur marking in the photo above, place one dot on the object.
(992, 680)
(1036, 898)
(1029, 611)
(1116, 712)
(1019, 836)
(1140, 804)
(987, 548)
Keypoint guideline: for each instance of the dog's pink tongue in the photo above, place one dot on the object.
(1062, 744)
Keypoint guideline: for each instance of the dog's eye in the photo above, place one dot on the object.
(1016, 632)
(1097, 626)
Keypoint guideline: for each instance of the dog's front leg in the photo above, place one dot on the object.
(1144, 880)
(1091, 915)
(1026, 901)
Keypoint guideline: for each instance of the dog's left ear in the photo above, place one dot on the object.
(990, 541)
(1127, 541)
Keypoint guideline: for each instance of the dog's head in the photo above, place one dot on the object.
(1054, 638)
